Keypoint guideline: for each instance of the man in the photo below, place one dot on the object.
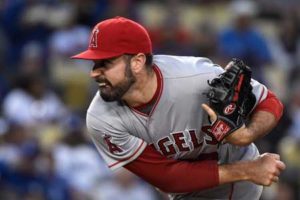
(147, 118)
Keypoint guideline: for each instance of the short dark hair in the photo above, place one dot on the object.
(149, 60)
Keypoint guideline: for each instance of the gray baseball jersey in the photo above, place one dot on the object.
(177, 126)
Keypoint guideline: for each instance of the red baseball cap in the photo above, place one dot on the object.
(114, 37)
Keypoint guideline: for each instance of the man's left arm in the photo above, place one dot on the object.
(262, 120)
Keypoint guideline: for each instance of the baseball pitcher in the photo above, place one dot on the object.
(183, 124)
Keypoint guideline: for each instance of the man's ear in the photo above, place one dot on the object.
(138, 62)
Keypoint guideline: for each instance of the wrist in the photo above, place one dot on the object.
(248, 136)
(241, 137)
(246, 173)
(238, 171)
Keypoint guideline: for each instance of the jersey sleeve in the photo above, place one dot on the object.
(115, 145)
(272, 105)
(259, 90)
(179, 176)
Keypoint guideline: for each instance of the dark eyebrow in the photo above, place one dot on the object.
(102, 62)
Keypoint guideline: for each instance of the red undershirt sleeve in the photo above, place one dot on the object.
(271, 104)
(174, 176)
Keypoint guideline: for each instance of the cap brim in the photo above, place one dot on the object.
(95, 55)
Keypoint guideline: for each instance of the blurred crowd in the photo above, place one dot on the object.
(45, 153)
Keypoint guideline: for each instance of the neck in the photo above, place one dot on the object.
(143, 89)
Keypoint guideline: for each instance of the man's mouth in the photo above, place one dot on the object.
(102, 84)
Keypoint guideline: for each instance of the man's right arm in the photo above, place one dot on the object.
(175, 176)
(262, 171)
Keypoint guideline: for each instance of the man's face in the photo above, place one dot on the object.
(114, 77)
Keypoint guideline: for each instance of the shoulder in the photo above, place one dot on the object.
(181, 66)
(98, 106)
(101, 114)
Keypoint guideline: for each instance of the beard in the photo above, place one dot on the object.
(115, 93)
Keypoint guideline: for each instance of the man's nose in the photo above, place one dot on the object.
(96, 72)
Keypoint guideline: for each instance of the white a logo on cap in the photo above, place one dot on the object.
(94, 38)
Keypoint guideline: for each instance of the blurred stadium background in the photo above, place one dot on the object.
(45, 153)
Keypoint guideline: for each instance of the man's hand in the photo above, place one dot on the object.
(240, 137)
(265, 169)
(262, 171)
(230, 95)
(261, 123)
(211, 113)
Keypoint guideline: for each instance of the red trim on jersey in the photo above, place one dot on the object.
(271, 104)
(155, 97)
(174, 176)
(160, 85)
(139, 112)
(136, 151)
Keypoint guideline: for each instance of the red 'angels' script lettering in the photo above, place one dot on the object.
(112, 147)
(207, 130)
(179, 142)
(194, 139)
(166, 146)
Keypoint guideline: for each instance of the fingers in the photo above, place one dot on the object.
(277, 172)
(208, 109)
(210, 112)
(280, 165)
(275, 156)
(275, 179)
(273, 167)
(272, 155)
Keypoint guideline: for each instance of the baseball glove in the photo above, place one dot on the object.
(230, 96)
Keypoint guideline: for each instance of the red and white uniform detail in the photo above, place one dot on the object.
(176, 127)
